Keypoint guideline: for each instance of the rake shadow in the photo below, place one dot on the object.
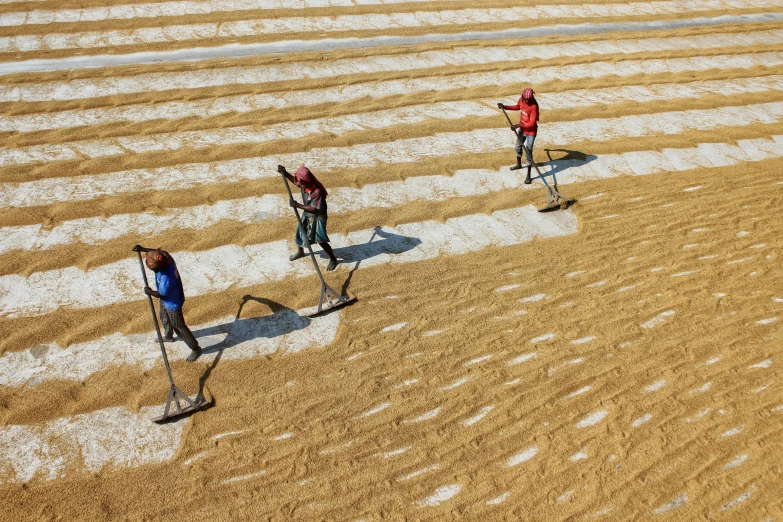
(283, 321)
(390, 243)
(572, 158)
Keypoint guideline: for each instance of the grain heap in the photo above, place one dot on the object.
(618, 359)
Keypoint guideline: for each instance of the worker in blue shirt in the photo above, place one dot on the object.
(172, 297)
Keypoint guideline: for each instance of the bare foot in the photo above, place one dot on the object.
(298, 255)
(515, 167)
(194, 354)
(332, 265)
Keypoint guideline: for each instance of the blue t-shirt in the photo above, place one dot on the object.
(170, 287)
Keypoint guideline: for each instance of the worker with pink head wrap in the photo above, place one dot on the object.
(312, 229)
(526, 130)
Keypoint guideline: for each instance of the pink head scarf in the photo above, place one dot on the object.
(303, 176)
(528, 96)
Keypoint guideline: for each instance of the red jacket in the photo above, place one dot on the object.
(528, 116)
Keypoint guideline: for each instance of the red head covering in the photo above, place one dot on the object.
(157, 259)
(304, 177)
(527, 95)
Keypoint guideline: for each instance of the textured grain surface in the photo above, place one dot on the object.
(619, 360)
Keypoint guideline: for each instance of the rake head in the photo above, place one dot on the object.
(174, 411)
(563, 204)
(334, 305)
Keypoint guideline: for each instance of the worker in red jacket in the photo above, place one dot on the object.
(526, 130)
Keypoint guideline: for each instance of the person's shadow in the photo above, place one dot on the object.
(389, 244)
(347, 281)
(282, 321)
(571, 158)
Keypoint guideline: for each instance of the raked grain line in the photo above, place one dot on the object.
(73, 288)
(117, 438)
(112, 437)
(255, 210)
(339, 125)
(235, 50)
(140, 113)
(84, 188)
(97, 230)
(184, 8)
(284, 332)
(291, 72)
(378, 21)
(361, 22)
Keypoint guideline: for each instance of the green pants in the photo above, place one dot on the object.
(315, 228)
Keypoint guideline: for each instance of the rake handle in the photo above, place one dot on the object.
(508, 119)
(528, 153)
(155, 321)
(535, 165)
(518, 133)
(299, 221)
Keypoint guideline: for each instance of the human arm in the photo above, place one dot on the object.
(163, 282)
(151, 292)
(306, 208)
(510, 107)
(147, 289)
(281, 169)
(316, 201)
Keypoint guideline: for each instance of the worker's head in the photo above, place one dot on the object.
(527, 94)
(157, 260)
(304, 177)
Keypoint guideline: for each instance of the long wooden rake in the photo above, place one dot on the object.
(554, 199)
(175, 394)
(328, 295)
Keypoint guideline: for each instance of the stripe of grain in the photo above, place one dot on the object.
(290, 72)
(321, 24)
(113, 438)
(286, 331)
(253, 210)
(72, 288)
(298, 25)
(259, 49)
(254, 102)
(163, 9)
(84, 188)
(409, 115)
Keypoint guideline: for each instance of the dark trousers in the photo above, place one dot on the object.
(173, 320)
